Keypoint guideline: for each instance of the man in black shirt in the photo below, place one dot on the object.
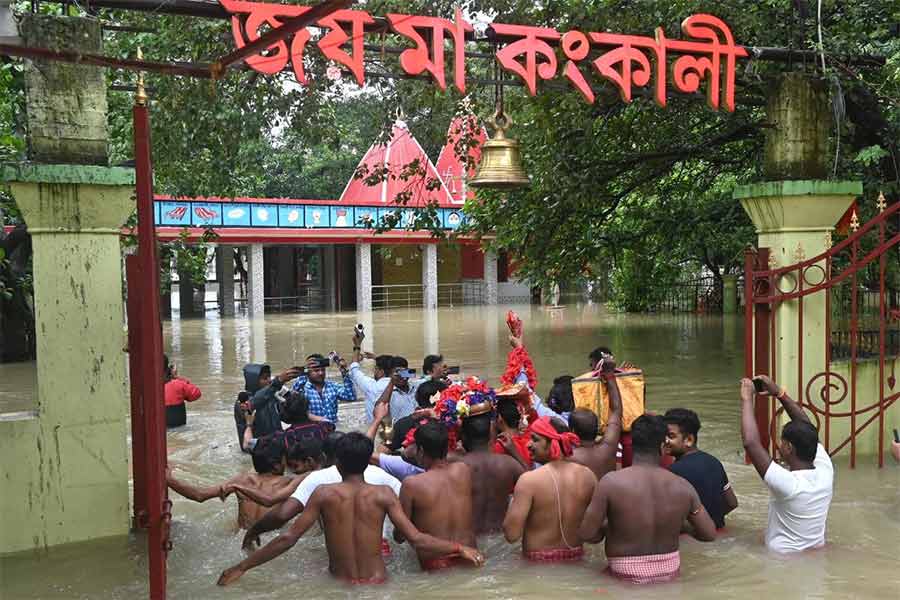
(702, 470)
(424, 393)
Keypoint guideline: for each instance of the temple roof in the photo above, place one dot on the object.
(450, 167)
(400, 151)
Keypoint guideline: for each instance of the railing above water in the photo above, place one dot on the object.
(413, 295)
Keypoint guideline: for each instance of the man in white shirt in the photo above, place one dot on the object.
(293, 506)
(370, 387)
(800, 495)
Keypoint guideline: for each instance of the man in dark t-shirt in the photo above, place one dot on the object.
(702, 470)
(403, 425)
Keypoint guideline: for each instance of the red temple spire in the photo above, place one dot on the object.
(395, 157)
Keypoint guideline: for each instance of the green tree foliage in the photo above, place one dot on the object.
(637, 188)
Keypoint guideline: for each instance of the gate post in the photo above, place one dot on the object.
(793, 220)
(65, 471)
(794, 213)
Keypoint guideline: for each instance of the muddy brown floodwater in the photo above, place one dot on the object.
(690, 361)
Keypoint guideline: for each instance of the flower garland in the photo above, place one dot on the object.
(457, 401)
(518, 360)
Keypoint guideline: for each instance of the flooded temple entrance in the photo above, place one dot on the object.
(689, 360)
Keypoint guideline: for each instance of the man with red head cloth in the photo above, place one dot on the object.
(548, 503)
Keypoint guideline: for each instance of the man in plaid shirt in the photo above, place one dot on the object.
(323, 396)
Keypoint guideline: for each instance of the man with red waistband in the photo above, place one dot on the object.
(645, 507)
(548, 503)
(438, 501)
(352, 514)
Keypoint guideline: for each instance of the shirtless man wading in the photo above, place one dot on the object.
(438, 501)
(548, 504)
(645, 506)
(352, 515)
(493, 475)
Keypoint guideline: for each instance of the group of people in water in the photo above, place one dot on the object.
(458, 460)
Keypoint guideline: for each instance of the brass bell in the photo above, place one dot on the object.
(501, 163)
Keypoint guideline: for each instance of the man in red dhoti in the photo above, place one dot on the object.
(548, 503)
(645, 507)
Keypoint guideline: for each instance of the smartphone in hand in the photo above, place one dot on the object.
(760, 385)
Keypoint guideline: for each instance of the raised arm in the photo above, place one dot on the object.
(749, 430)
(423, 541)
(517, 513)
(346, 393)
(793, 410)
(592, 525)
(271, 521)
(357, 349)
(280, 544)
(378, 414)
(249, 419)
(702, 524)
(610, 442)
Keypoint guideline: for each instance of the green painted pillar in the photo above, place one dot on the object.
(64, 471)
(793, 219)
(729, 294)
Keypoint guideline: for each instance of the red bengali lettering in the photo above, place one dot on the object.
(627, 61)
(627, 64)
(422, 58)
(246, 30)
(688, 71)
(533, 46)
(576, 46)
(331, 42)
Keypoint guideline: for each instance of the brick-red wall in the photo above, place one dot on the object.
(472, 262)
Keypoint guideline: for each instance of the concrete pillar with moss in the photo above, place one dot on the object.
(794, 212)
(64, 467)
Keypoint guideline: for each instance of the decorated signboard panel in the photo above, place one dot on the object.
(199, 213)
(705, 59)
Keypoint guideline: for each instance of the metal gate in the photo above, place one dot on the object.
(845, 381)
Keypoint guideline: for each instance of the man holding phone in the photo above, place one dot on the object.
(323, 396)
(800, 492)
(370, 387)
(403, 399)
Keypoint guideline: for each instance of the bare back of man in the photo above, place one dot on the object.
(597, 458)
(493, 478)
(600, 457)
(250, 511)
(641, 510)
(352, 517)
(647, 506)
(439, 503)
(548, 508)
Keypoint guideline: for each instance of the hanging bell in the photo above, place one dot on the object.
(501, 163)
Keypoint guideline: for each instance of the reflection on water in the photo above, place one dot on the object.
(689, 361)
